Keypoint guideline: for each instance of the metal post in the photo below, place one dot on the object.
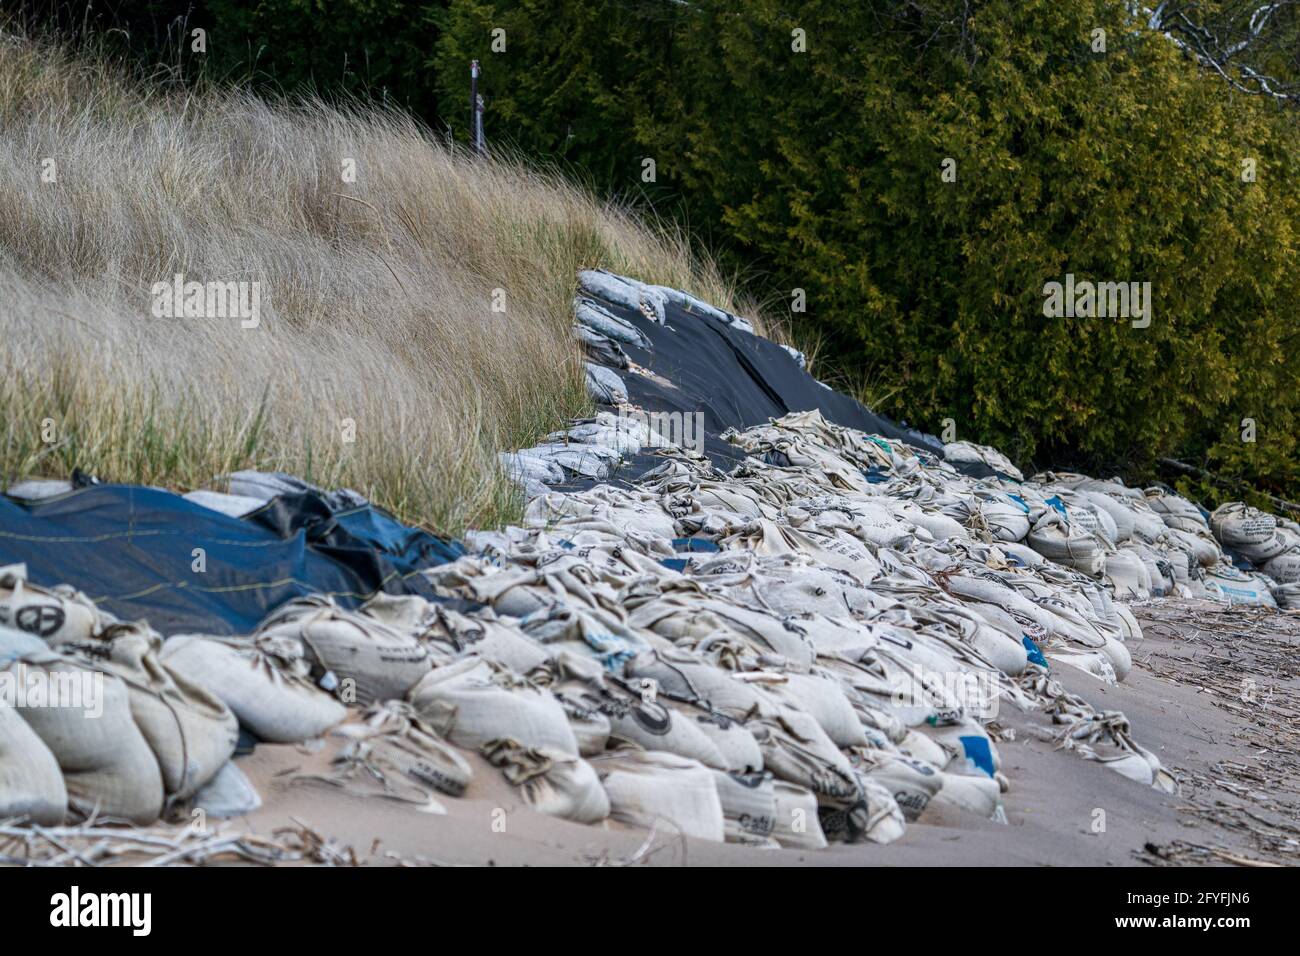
(475, 111)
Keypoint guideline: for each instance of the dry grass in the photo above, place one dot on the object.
(376, 294)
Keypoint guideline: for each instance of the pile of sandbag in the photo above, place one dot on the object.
(807, 649)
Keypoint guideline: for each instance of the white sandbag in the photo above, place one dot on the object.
(964, 796)
(1225, 583)
(1021, 554)
(1158, 568)
(1127, 575)
(54, 615)
(739, 750)
(108, 767)
(473, 701)
(1202, 548)
(31, 784)
(1058, 540)
(796, 824)
(1176, 511)
(748, 806)
(797, 750)
(822, 698)
(1240, 526)
(263, 681)
(649, 788)
(381, 663)
(939, 525)
(1287, 596)
(1006, 520)
(552, 782)
(653, 725)
(917, 745)
(874, 817)
(687, 677)
(1121, 514)
(911, 782)
(191, 732)
(392, 753)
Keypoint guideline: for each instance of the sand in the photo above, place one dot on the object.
(1232, 745)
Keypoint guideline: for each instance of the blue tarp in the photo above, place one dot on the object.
(136, 552)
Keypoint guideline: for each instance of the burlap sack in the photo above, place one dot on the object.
(263, 681)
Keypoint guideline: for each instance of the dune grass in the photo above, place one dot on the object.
(379, 362)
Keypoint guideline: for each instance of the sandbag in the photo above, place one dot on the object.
(392, 753)
(1176, 511)
(964, 796)
(653, 725)
(54, 615)
(873, 817)
(264, 682)
(382, 663)
(1240, 526)
(228, 794)
(473, 701)
(191, 732)
(796, 824)
(797, 750)
(108, 768)
(911, 782)
(739, 750)
(590, 727)
(1285, 568)
(1057, 540)
(820, 697)
(31, 784)
(646, 788)
(1121, 514)
(552, 782)
(748, 807)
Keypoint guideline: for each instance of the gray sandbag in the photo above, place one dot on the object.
(264, 682)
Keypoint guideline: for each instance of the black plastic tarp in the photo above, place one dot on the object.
(135, 551)
(699, 363)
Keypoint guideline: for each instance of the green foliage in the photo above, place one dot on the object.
(372, 48)
(825, 168)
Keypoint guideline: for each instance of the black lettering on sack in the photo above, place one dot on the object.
(40, 619)
(647, 716)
